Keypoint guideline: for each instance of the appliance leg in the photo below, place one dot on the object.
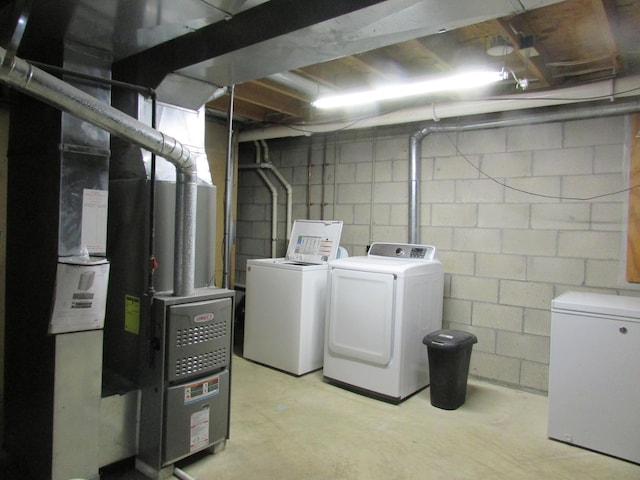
(218, 447)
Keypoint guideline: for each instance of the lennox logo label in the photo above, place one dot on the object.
(203, 317)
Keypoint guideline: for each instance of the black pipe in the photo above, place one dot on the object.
(91, 78)
(153, 262)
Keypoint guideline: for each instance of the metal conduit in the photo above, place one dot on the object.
(29, 79)
(229, 231)
(415, 143)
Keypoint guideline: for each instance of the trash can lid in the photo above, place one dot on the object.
(449, 339)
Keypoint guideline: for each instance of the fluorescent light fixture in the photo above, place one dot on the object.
(463, 81)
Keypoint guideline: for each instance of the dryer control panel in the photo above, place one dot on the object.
(402, 250)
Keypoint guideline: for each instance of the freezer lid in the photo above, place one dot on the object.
(314, 241)
(597, 303)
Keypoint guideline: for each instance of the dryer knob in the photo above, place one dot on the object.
(399, 252)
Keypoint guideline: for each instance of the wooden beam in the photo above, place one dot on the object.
(437, 60)
(253, 92)
(246, 110)
(282, 90)
(312, 75)
(334, 75)
(606, 15)
(633, 220)
(360, 65)
(406, 60)
(530, 64)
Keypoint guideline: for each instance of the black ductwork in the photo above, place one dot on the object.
(53, 158)
(264, 22)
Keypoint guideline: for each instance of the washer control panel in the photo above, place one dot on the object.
(402, 250)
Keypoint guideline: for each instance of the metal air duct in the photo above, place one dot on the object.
(23, 76)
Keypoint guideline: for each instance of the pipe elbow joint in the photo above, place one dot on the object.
(178, 154)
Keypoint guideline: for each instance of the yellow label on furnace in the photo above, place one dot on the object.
(132, 314)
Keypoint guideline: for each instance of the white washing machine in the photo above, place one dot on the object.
(380, 307)
(286, 300)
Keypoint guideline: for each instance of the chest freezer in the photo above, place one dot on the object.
(594, 373)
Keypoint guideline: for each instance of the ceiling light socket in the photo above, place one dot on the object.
(498, 47)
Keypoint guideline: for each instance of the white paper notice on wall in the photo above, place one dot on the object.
(80, 295)
(94, 220)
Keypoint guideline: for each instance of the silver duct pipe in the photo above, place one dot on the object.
(415, 143)
(184, 256)
(23, 76)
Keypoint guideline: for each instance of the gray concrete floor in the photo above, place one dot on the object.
(283, 427)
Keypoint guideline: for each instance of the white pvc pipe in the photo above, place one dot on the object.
(274, 199)
(274, 212)
(285, 184)
(613, 89)
(181, 474)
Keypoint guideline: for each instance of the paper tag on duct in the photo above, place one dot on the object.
(80, 295)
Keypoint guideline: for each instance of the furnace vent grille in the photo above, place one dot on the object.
(198, 363)
(199, 334)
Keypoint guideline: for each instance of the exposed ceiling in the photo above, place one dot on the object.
(281, 53)
(554, 46)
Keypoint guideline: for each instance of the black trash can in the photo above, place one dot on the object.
(449, 356)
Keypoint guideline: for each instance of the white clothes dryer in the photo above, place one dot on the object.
(286, 300)
(379, 308)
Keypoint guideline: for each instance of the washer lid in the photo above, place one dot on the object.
(314, 241)
(598, 303)
(286, 264)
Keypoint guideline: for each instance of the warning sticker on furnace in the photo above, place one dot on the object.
(200, 390)
(199, 429)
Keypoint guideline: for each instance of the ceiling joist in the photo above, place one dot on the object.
(559, 45)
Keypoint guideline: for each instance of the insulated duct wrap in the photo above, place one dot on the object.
(23, 76)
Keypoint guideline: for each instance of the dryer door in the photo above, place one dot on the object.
(361, 315)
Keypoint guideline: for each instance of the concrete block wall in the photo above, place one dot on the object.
(519, 215)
